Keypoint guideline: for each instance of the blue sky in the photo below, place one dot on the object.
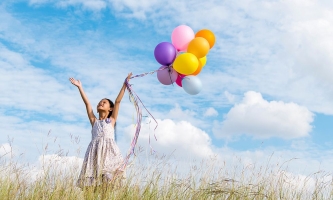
(266, 85)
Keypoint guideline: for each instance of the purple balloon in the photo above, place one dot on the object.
(165, 53)
(167, 76)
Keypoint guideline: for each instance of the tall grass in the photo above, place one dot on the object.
(161, 179)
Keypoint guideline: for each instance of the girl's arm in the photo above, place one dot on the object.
(90, 112)
(118, 100)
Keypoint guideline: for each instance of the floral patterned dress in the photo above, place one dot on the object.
(103, 159)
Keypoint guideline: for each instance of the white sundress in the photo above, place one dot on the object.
(102, 158)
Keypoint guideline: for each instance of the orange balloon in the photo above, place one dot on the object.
(208, 35)
(199, 46)
(202, 62)
(197, 71)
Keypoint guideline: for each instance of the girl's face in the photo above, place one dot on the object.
(104, 105)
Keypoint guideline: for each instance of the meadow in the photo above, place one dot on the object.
(160, 178)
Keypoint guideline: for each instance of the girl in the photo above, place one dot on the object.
(103, 159)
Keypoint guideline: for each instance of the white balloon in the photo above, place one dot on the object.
(192, 84)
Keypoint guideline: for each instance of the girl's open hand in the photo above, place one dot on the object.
(129, 77)
(77, 83)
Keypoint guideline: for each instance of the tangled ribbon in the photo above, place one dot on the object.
(136, 100)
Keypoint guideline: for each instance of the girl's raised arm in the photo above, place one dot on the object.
(90, 112)
(118, 100)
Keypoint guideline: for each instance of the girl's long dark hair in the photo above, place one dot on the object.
(110, 114)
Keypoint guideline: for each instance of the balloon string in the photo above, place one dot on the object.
(169, 73)
(138, 124)
(151, 116)
(135, 99)
(152, 72)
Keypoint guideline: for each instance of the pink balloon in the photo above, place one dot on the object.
(181, 36)
(179, 79)
(167, 76)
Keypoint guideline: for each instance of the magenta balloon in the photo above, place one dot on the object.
(165, 53)
(179, 79)
(167, 76)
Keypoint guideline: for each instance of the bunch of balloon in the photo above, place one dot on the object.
(184, 57)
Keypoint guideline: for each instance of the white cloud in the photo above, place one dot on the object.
(67, 164)
(231, 98)
(49, 167)
(94, 5)
(33, 138)
(263, 119)
(211, 112)
(304, 162)
(181, 138)
(20, 81)
(5, 150)
(28, 88)
(178, 114)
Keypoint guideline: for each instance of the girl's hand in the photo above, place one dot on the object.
(129, 77)
(77, 83)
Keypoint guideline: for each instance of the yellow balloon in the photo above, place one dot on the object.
(186, 63)
(202, 62)
(199, 46)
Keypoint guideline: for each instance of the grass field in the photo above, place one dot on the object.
(160, 179)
